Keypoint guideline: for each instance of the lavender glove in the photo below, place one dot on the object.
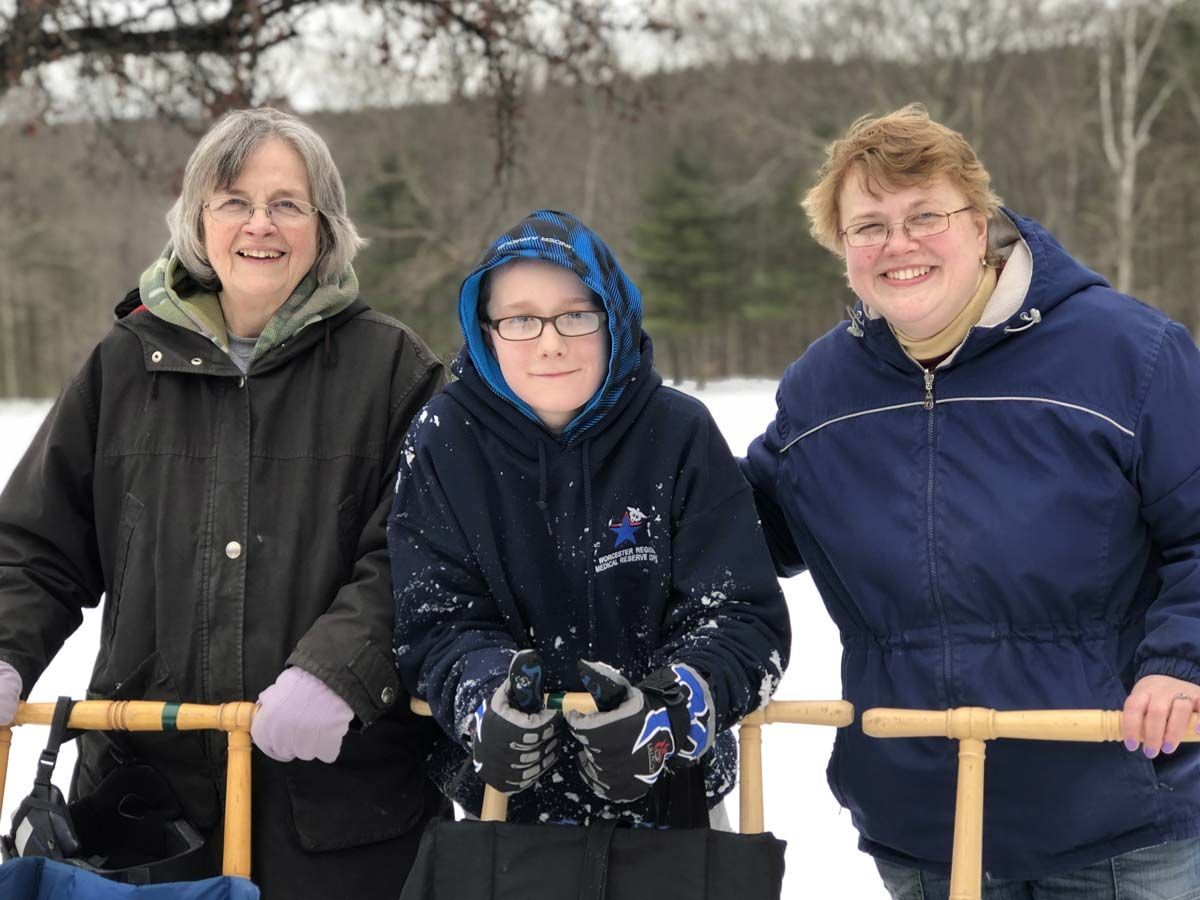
(300, 717)
(10, 692)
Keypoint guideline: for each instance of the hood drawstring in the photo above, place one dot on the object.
(856, 320)
(330, 353)
(589, 557)
(541, 500)
(1031, 318)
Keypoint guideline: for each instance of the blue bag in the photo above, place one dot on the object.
(38, 878)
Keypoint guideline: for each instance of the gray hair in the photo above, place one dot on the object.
(217, 162)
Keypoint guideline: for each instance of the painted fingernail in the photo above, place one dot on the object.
(1131, 744)
(1150, 752)
(1168, 747)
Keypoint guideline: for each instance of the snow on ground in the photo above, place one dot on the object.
(822, 859)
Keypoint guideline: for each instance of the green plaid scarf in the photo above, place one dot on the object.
(169, 292)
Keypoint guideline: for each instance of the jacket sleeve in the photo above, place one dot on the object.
(1166, 468)
(761, 469)
(49, 559)
(451, 644)
(348, 646)
(727, 616)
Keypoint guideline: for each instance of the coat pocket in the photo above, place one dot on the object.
(131, 513)
(374, 792)
(102, 675)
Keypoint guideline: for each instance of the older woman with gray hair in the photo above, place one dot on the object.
(219, 470)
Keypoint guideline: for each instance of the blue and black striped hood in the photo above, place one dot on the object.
(560, 238)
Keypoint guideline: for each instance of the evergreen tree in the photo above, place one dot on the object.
(687, 266)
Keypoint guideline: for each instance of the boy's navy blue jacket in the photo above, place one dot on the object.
(629, 538)
(1025, 536)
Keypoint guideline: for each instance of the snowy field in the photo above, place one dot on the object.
(822, 858)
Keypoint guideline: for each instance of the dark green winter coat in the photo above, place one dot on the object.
(236, 525)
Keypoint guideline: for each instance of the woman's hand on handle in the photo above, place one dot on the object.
(300, 717)
(10, 692)
(1157, 713)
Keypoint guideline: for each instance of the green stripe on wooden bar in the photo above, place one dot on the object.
(169, 714)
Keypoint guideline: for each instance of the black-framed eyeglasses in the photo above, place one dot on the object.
(285, 210)
(569, 324)
(918, 225)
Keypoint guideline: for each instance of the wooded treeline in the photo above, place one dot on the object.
(1088, 118)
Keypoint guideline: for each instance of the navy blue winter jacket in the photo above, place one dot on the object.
(630, 538)
(1024, 535)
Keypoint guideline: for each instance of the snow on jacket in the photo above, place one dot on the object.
(630, 538)
(235, 525)
(1021, 533)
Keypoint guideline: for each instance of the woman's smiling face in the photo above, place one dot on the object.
(260, 261)
(917, 284)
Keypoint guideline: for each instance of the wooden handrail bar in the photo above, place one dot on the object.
(972, 727)
(837, 713)
(150, 715)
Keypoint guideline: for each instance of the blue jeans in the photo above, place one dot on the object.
(1164, 872)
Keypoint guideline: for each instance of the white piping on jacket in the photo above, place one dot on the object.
(1091, 412)
(866, 412)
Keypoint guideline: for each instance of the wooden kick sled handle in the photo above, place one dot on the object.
(150, 715)
(837, 713)
(972, 727)
(1093, 725)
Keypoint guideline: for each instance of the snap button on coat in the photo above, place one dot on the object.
(233, 549)
(156, 356)
(387, 696)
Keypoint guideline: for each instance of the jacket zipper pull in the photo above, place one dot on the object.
(929, 389)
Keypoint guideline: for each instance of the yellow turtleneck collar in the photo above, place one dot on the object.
(946, 340)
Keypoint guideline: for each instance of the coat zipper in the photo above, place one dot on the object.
(931, 536)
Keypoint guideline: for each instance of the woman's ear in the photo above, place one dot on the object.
(981, 230)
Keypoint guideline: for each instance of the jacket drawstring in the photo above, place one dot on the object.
(541, 500)
(856, 320)
(591, 570)
(1031, 318)
(330, 353)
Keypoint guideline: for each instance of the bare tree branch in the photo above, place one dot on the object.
(219, 51)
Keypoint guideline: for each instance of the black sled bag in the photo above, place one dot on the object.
(503, 861)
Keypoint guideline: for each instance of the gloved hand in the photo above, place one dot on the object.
(515, 737)
(637, 731)
(300, 717)
(10, 692)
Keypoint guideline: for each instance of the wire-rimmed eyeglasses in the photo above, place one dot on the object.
(918, 225)
(287, 210)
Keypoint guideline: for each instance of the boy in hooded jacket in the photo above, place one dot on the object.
(563, 520)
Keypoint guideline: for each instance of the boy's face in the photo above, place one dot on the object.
(555, 375)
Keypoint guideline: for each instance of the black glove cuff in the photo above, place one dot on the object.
(662, 689)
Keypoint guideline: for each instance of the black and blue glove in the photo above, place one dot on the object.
(638, 731)
(514, 738)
